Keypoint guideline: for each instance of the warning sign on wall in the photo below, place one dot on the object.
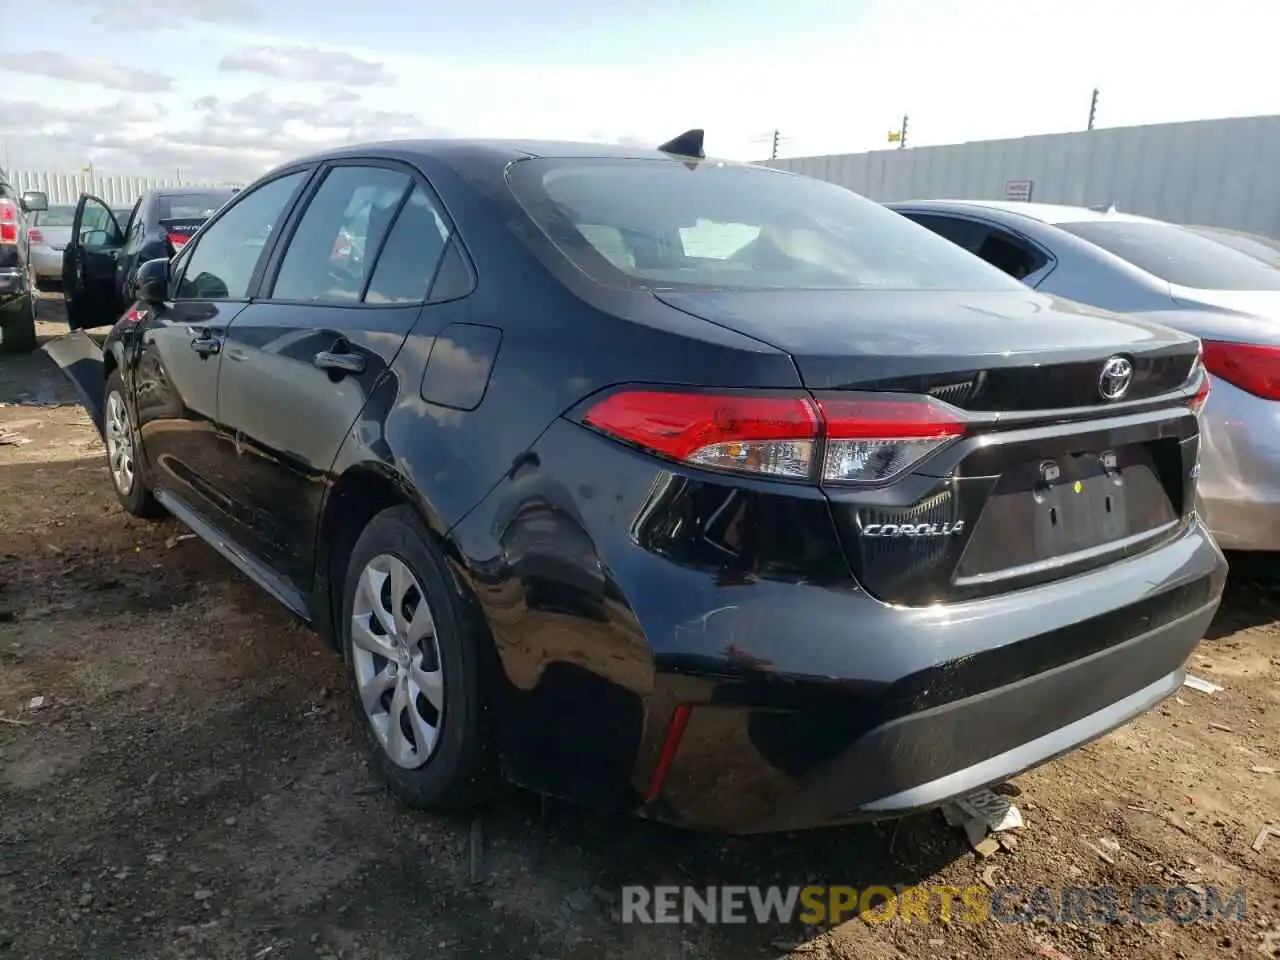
(1018, 190)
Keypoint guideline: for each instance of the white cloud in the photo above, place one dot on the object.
(110, 76)
(144, 15)
(306, 64)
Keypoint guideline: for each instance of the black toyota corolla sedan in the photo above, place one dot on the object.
(690, 487)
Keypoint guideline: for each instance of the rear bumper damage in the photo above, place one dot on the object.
(81, 359)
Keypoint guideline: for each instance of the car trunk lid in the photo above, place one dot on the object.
(1056, 470)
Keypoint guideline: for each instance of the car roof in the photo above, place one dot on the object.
(189, 191)
(467, 153)
(1051, 213)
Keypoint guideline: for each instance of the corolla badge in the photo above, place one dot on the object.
(1117, 374)
(913, 529)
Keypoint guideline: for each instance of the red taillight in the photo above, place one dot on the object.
(1202, 395)
(35, 236)
(8, 222)
(178, 240)
(1254, 369)
(134, 315)
(865, 439)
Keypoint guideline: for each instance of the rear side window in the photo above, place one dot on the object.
(411, 254)
(1177, 255)
(670, 224)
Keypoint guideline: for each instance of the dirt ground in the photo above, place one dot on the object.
(189, 784)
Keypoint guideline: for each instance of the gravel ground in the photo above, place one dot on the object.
(189, 785)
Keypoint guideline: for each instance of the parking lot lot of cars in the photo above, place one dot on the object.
(178, 779)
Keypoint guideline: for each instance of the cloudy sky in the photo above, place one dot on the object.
(227, 88)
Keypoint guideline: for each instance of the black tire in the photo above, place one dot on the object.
(138, 499)
(458, 772)
(18, 334)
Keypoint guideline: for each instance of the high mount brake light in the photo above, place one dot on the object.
(863, 439)
(8, 222)
(1253, 368)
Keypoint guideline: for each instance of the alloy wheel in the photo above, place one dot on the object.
(119, 435)
(398, 670)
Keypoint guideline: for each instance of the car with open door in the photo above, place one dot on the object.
(106, 248)
(1221, 286)
(696, 488)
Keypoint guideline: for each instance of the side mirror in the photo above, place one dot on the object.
(33, 201)
(152, 281)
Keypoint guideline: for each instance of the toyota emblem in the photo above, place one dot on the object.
(1117, 374)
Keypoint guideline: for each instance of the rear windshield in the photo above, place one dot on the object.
(1179, 256)
(658, 224)
(1262, 248)
(190, 206)
(55, 217)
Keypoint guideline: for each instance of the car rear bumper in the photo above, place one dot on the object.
(46, 262)
(951, 725)
(802, 700)
(1239, 488)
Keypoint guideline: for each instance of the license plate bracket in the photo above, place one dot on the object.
(1076, 514)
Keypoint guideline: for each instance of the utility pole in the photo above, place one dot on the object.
(777, 136)
(1093, 108)
(902, 140)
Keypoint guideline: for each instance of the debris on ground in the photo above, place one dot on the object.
(37, 703)
(12, 439)
(981, 814)
(1270, 830)
(1199, 683)
(174, 541)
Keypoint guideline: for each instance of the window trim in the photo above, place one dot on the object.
(271, 269)
(1032, 279)
(188, 250)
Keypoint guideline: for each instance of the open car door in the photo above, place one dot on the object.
(89, 265)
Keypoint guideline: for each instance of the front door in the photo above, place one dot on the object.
(181, 351)
(303, 359)
(89, 265)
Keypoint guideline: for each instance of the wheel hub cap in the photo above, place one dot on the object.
(119, 436)
(396, 660)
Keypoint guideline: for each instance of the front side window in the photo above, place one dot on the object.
(1177, 255)
(332, 249)
(222, 264)
(669, 224)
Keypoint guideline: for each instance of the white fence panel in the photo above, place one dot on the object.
(1222, 173)
(119, 190)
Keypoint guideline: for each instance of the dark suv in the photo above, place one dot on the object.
(18, 299)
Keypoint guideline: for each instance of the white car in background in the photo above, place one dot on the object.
(50, 232)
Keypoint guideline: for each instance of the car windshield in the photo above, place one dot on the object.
(1263, 248)
(55, 217)
(1177, 255)
(191, 206)
(669, 224)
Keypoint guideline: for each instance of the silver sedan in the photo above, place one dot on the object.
(1180, 277)
(50, 232)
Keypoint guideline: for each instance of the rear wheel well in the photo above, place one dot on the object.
(357, 497)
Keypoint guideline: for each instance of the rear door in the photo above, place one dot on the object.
(337, 304)
(181, 350)
(89, 264)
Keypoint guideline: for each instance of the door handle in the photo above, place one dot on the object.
(339, 362)
(206, 346)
